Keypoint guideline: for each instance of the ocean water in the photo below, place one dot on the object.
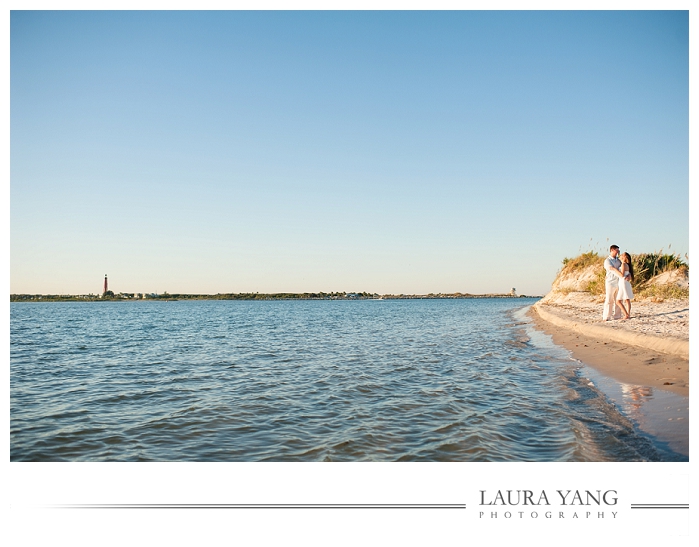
(365, 380)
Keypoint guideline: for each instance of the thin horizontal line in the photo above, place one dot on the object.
(659, 506)
(260, 506)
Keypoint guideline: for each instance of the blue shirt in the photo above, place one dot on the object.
(610, 262)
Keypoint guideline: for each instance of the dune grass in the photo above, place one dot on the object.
(658, 293)
(582, 262)
(648, 265)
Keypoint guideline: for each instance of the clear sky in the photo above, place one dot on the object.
(390, 152)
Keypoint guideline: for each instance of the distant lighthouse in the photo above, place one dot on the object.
(106, 288)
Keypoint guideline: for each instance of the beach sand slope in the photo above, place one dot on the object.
(651, 348)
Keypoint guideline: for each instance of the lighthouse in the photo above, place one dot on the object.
(105, 284)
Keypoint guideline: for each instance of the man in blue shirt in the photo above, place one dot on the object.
(611, 284)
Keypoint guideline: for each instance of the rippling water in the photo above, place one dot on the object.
(392, 380)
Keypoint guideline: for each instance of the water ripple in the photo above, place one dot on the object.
(456, 380)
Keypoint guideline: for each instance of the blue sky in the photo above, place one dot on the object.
(391, 152)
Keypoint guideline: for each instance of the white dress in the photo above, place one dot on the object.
(625, 292)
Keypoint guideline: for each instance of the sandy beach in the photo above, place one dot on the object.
(650, 349)
(646, 358)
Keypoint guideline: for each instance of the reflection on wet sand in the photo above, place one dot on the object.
(633, 399)
(660, 413)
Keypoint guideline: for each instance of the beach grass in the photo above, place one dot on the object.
(648, 265)
(582, 262)
(658, 293)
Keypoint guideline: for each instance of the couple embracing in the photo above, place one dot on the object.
(617, 284)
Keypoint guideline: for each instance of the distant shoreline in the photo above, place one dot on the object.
(136, 297)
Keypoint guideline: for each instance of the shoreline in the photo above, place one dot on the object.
(263, 297)
(629, 358)
(648, 386)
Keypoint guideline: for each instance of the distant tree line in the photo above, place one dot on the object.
(109, 296)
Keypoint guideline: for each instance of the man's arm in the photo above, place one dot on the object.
(610, 268)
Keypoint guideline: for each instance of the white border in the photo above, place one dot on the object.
(30, 486)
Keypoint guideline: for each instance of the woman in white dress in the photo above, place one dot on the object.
(625, 294)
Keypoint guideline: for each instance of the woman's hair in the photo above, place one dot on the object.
(628, 257)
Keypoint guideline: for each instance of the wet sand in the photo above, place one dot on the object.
(624, 362)
(642, 365)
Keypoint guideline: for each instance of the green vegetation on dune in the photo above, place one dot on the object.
(648, 265)
(663, 292)
(581, 262)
